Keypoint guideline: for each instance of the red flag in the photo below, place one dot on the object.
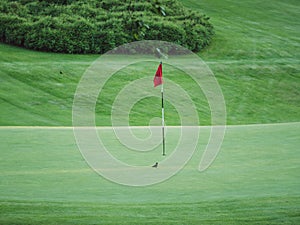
(158, 76)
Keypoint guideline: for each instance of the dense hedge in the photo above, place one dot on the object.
(96, 26)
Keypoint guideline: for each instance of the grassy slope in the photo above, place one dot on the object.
(255, 57)
(33, 92)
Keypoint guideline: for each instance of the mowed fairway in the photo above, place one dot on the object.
(255, 178)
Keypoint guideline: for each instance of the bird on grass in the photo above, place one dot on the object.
(155, 165)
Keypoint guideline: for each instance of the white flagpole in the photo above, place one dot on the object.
(162, 106)
(163, 119)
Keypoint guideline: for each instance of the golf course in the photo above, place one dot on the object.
(254, 56)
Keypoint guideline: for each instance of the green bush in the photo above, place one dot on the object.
(13, 29)
(77, 26)
(165, 30)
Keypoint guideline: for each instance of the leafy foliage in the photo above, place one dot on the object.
(96, 26)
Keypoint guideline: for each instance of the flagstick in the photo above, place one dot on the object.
(163, 119)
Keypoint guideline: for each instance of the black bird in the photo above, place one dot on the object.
(155, 165)
(60, 72)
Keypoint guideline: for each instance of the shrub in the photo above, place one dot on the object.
(78, 26)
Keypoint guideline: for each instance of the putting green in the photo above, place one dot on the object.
(44, 179)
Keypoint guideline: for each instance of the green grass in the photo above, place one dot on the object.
(263, 211)
(254, 55)
(254, 179)
(33, 88)
(251, 30)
